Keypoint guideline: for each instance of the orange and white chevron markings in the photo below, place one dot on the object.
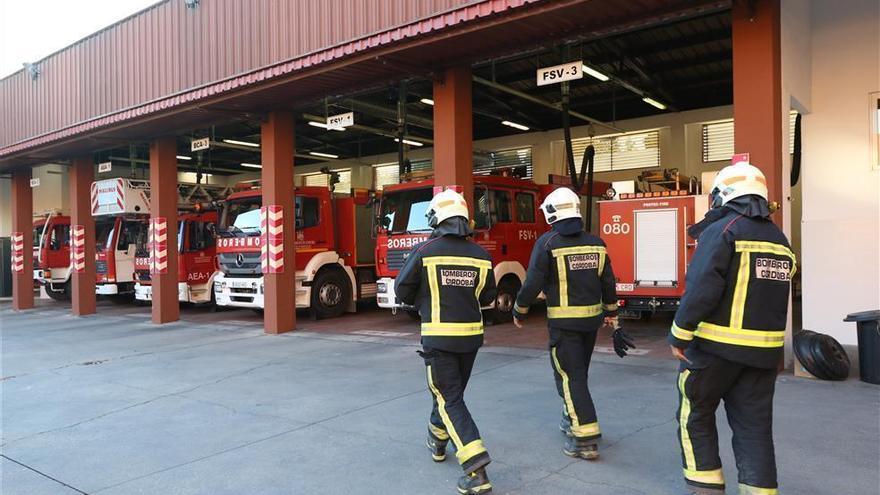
(78, 253)
(272, 247)
(18, 252)
(158, 242)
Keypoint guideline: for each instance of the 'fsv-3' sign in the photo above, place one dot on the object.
(560, 73)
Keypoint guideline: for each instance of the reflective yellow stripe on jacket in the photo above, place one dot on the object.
(740, 336)
(564, 310)
(437, 328)
(735, 334)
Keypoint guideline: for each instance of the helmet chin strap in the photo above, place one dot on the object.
(715, 196)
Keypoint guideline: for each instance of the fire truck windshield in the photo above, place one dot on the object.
(103, 232)
(242, 216)
(38, 234)
(404, 211)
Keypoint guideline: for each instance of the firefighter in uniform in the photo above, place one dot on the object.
(573, 269)
(729, 332)
(448, 278)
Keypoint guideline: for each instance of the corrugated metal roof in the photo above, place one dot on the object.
(455, 36)
(168, 48)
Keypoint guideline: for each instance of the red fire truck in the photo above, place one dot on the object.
(121, 210)
(335, 267)
(647, 240)
(52, 254)
(507, 223)
(197, 260)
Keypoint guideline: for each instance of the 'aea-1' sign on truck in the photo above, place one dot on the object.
(121, 208)
(334, 260)
(196, 261)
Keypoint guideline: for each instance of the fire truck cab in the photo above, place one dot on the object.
(646, 235)
(52, 254)
(121, 209)
(335, 267)
(507, 222)
(197, 260)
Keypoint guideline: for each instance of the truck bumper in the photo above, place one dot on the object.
(106, 289)
(145, 292)
(385, 296)
(248, 292)
(632, 305)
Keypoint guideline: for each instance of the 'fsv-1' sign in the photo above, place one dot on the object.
(560, 73)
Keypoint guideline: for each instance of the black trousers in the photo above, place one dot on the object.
(570, 354)
(748, 399)
(448, 375)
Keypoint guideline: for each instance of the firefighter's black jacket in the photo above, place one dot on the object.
(448, 278)
(573, 269)
(735, 303)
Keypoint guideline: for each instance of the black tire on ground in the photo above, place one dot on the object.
(413, 314)
(331, 294)
(258, 311)
(508, 288)
(830, 357)
(803, 342)
(60, 295)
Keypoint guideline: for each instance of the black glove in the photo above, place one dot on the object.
(622, 342)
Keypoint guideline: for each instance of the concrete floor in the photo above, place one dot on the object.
(111, 404)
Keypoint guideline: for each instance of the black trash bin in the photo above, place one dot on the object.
(868, 328)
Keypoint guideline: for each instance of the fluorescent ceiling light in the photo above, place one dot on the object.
(242, 143)
(325, 126)
(654, 103)
(251, 165)
(427, 101)
(593, 72)
(515, 125)
(410, 142)
(182, 157)
(323, 155)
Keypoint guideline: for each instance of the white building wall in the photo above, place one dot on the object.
(841, 192)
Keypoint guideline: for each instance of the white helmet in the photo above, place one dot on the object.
(739, 179)
(561, 204)
(446, 204)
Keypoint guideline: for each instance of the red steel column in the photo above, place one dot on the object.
(82, 276)
(163, 208)
(277, 141)
(757, 89)
(453, 131)
(22, 234)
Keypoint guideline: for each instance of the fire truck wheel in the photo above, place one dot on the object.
(330, 294)
(508, 288)
(59, 295)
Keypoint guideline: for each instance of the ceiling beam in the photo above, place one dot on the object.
(373, 130)
(541, 101)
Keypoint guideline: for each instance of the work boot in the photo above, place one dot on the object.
(584, 449)
(437, 448)
(474, 483)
